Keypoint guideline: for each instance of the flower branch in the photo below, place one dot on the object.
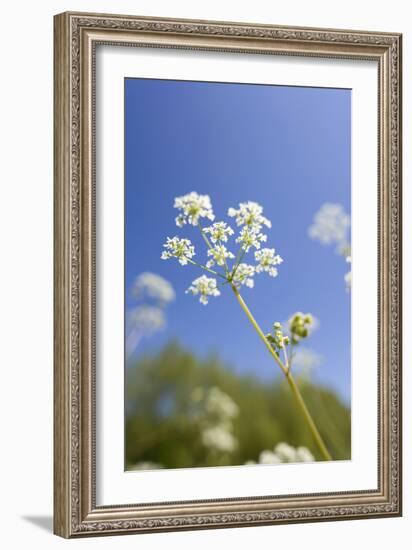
(250, 221)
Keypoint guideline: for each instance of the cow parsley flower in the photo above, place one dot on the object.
(283, 452)
(304, 455)
(250, 220)
(287, 453)
(277, 339)
(193, 207)
(215, 411)
(307, 360)
(220, 404)
(220, 254)
(219, 232)
(299, 326)
(146, 318)
(219, 438)
(243, 275)
(204, 287)
(250, 236)
(153, 286)
(182, 249)
(267, 259)
(249, 214)
(269, 457)
(142, 321)
(331, 224)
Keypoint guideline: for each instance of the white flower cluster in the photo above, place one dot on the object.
(153, 286)
(219, 403)
(220, 254)
(193, 207)
(249, 214)
(219, 232)
(146, 318)
(331, 226)
(267, 259)
(153, 294)
(296, 329)
(249, 218)
(277, 339)
(204, 287)
(219, 438)
(182, 249)
(300, 325)
(244, 275)
(284, 453)
(218, 412)
(249, 236)
(307, 360)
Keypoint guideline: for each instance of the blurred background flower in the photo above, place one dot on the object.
(216, 419)
(331, 225)
(153, 294)
(306, 361)
(185, 411)
(154, 287)
(146, 466)
(283, 452)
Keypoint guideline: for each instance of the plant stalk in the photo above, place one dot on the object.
(292, 384)
(206, 268)
(308, 417)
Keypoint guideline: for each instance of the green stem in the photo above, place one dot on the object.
(204, 236)
(308, 417)
(291, 355)
(292, 384)
(258, 329)
(206, 268)
(226, 267)
(285, 355)
(240, 255)
(209, 245)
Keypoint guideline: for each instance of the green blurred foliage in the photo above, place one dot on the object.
(161, 426)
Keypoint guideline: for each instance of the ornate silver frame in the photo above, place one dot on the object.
(75, 38)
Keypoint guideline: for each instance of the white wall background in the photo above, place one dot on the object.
(26, 270)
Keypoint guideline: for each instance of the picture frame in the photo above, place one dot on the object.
(77, 511)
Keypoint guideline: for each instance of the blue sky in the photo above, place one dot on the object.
(287, 148)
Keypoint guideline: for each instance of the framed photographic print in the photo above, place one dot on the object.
(227, 274)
